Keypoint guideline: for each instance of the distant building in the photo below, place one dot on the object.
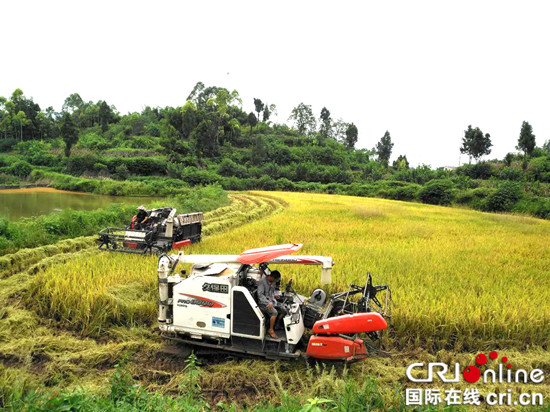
(449, 167)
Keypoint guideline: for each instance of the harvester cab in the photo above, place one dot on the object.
(216, 308)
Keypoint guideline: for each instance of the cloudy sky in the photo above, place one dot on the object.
(424, 70)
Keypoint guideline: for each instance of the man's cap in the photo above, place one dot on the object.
(141, 207)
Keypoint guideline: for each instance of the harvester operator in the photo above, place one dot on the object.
(142, 217)
(266, 297)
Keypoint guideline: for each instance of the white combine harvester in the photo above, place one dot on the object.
(216, 307)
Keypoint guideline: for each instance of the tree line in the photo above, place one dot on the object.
(210, 139)
(211, 117)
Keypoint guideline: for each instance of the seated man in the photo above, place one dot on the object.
(142, 218)
(266, 297)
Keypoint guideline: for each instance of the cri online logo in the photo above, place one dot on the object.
(472, 373)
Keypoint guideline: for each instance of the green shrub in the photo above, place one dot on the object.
(405, 193)
(21, 169)
(437, 192)
(536, 206)
(504, 198)
(121, 172)
(93, 141)
(142, 142)
(267, 183)
(229, 168)
(538, 169)
(482, 170)
(7, 144)
(9, 180)
(510, 173)
(139, 165)
(80, 164)
(464, 182)
(37, 153)
(194, 176)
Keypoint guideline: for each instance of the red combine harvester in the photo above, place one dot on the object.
(165, 230)
(216, 308)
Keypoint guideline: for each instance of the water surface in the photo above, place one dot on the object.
(16, 203)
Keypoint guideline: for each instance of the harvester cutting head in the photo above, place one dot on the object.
(222, 305)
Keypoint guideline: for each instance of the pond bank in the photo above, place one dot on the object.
(16, 187)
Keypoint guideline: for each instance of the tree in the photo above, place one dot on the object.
(384, 148)
(526, 141)
(326, 123)
(28, 125)
(69, 132)
(72, 103)
(5, 123)
(259, 152)
(401, 163)
(339, 128)
(189, 119)
(252, 120)
(269, 109)
(205, 138)
(303, 116)
(258, 104)
(107, 114)
(475, 144)
(201, 95)
(352, 135)
(21, 120)
(196, 92)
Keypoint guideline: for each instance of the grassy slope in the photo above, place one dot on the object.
(463, 281)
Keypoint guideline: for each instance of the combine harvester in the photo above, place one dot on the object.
(216, 308)
(164, 231)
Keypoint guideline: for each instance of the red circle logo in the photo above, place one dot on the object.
(481, 359)
(471, 374)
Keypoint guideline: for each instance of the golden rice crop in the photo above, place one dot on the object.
(461, 279)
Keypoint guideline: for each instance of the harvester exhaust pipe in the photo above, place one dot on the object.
(164, 267)
(170, 224)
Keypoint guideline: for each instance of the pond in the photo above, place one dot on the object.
(16, 203)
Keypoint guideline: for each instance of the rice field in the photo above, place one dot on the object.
(462, 281)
